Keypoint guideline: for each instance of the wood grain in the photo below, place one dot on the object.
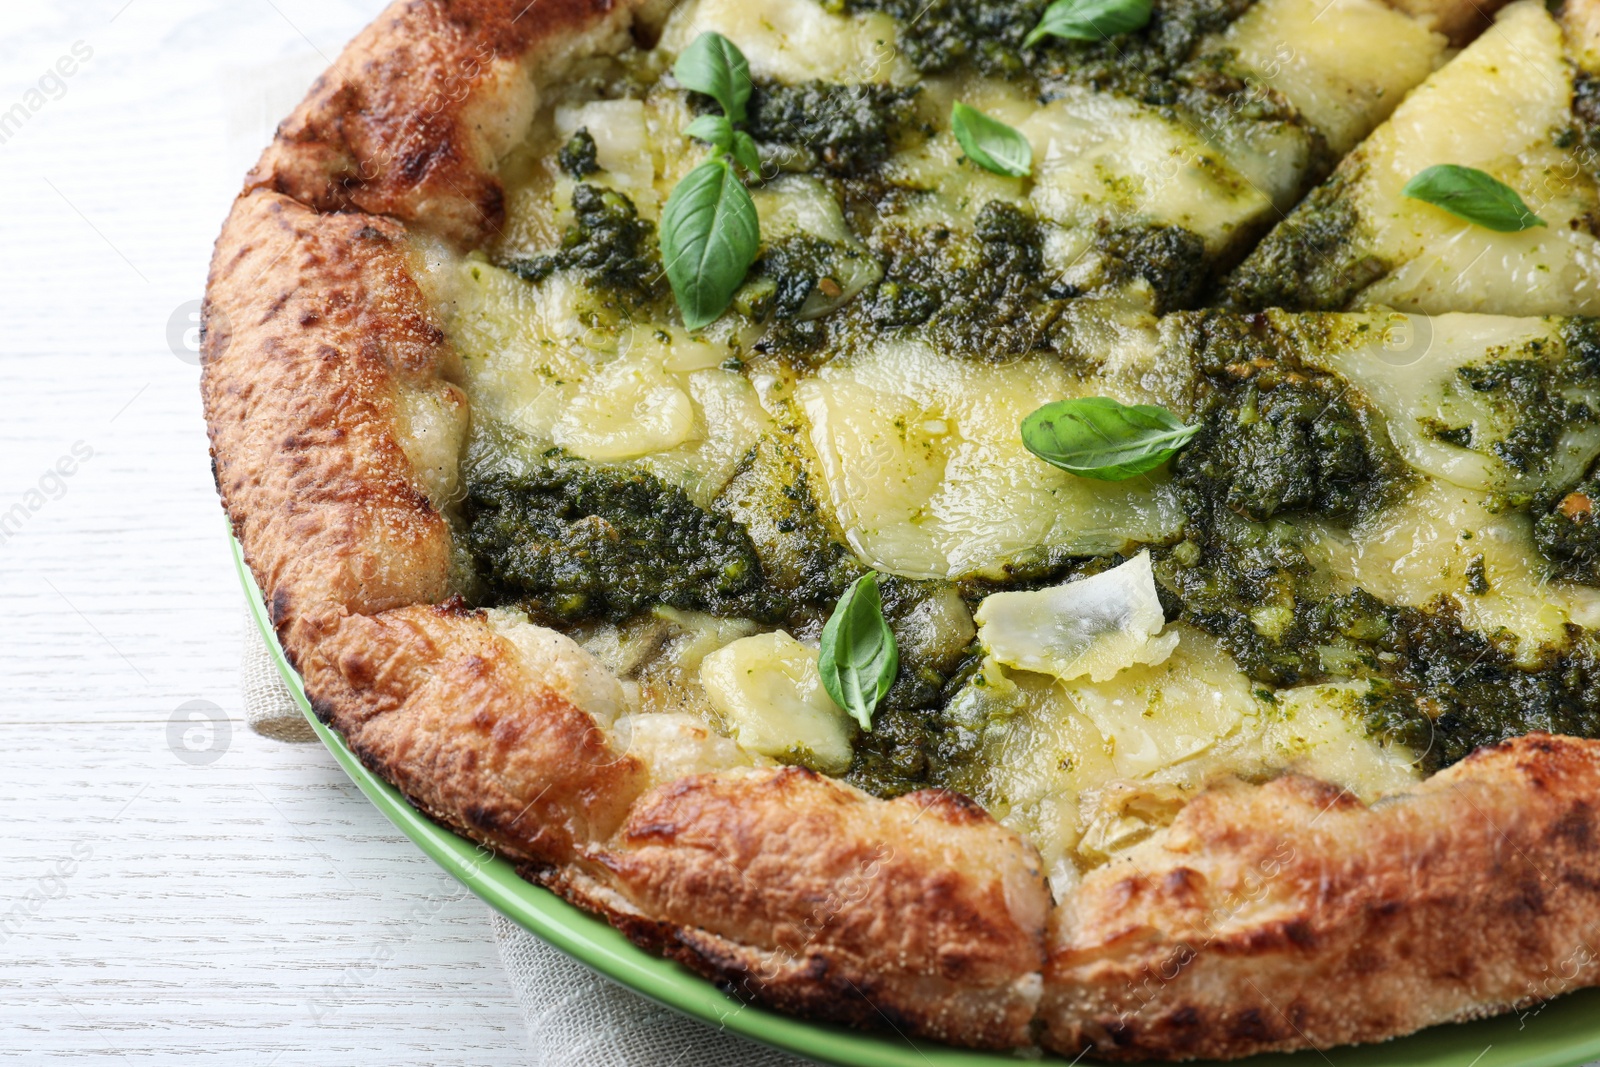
(255, 908)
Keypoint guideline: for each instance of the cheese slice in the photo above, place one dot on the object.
(1504, 106)
(1093, 627)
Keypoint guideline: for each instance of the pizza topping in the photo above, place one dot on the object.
(1274, 444)
(1516, 81)
(578, 157)
(1094, 626)
(1097, 437)
(1469, 193)
(859, 659)
(718, 132)
(812, 263)
(709, 238)
(773, 700)
(990, 143)
(1089, 20)
(843, 446)
(574, 542)
(714, 66)
(710, 232)
(1568, 536)
(1315, 260)
(846, 130)
(1003, 36)
(610, 248)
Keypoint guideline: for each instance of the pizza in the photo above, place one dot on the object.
(1035, 525)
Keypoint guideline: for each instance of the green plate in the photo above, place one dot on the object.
(1563, 1033)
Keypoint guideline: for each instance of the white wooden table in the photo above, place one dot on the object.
(252, 909)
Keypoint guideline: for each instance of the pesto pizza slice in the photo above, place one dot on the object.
(1478, 194)
(768, 470)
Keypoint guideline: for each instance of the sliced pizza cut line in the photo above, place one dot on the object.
(1516, 107)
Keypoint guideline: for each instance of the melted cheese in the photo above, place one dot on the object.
(1498, 107)
(1084, 768)
(1098, 155)
(1409, 367)
(1426, 546)
(795, 41)
(914, 455)
(769, 695)
(431, 423)
(927, 476)
(1343, 64)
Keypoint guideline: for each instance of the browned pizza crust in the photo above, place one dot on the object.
(311, 322)
(799, 890)
(450, 714)
(415, 114)
(1288, 915)
(1265, 917)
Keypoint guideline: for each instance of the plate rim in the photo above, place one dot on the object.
(602, 948)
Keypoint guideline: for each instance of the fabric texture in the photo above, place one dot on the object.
(268, 707)
(575, 1017)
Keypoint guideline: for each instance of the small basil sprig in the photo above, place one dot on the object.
(713, 65)
(709, 237)
(710, 233)
(719, 133)
(990, 143)
(1089, 20)
(859, 658)
(1468, 193)
(1096, 437)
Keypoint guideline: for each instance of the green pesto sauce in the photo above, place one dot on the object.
(1566, 529)
(571, 542)
(1312, 260)
(579, 157)
(1160, 65)
(842, 130)
(943, 35)
(1443, 689)
(981, 294)
(1585, 130)
(1277, 436)
(574, 542)
(610, 248)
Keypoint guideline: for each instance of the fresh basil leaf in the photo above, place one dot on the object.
(714, 130)
(709, 238)
(1468, 193)
(1096, 437)
(713, 65)
(1089, 20)
(990, 143)
(859, 658)
(744, 150)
